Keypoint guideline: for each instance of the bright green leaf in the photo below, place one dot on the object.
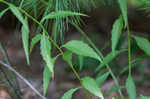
(25, 39)
(45, 47)
(143, 44)
(91, 85)
(68, 94)
(81, 48)
(46, 78)
(123, 7)
(116, 32)
(61, 14)
(35, 40)
(3, 12)
(109, 58)
(130, 87)
(100, 79)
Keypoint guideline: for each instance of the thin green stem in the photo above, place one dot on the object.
(100, 54)
(129, 49)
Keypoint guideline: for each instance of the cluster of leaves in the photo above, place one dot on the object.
(65, 11)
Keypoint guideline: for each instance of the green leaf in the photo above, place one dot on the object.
(91, 85)
(45, 47)
(46, 78)
(81, 48)
(101, 78)
(130, 87)
(35, 40)
(143, 44)
(25, 39)
(68, 94)
(3, 12)
(109, 58)
(61, 14)
(116, 32)
(81, 60)
(123, 7)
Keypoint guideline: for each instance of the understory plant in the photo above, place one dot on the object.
(52, 19)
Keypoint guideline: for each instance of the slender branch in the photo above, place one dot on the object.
(6, 59)
(22, 78)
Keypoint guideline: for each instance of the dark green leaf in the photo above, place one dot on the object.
(91, 85)
(69, 93)
(116, 32)
(46, 78)
(81, 48)
(143, 44)
(35, 40)
(130, 87)
(3, 12)
(100, 79)
(68, 56)
(123, 7)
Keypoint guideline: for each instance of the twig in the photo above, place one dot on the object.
(22, 78)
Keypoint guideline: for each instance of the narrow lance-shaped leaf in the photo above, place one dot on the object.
(91, 85)
(81, 48)
(25, 39)
(45, 47)
(123, 7)
(47, 75)
(35, 40)
(116, 32)
(61, 14)
(143, 44)
(130, 87)
(109, 58)
(68, 94)
(3, 12)
(46, 79)
(101, 78)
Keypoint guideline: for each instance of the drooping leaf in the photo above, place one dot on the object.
(116, 32)
(109, 58)
(35, 40)
(3, 12)
(45, 47)
(143, 44)
(25, 39)
(100, 79)
(91, 85)
(47, 75)
(46, 79)
(81, 48)
(68, 94)
(80, 58)
(17, 13)
(130, 87)
(123, 7)
(61, 14)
